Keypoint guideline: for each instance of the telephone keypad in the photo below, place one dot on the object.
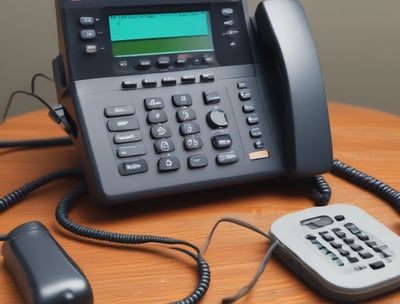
(175, 129)
(349, 246)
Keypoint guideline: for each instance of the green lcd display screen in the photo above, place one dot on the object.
(160, 33)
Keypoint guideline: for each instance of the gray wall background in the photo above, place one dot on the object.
(358, 42)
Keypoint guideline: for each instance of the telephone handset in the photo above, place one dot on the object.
(166, 97)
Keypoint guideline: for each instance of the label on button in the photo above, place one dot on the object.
(227, 158)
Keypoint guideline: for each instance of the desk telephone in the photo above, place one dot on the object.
(162, 97)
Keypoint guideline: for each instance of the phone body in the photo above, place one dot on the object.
(340, 251)
(163, 97)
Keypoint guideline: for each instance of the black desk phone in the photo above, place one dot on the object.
(163, 97)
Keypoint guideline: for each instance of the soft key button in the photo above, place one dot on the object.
(88, 34)
(86, 21)
(129, 84)
(119, 111)
(133, 167)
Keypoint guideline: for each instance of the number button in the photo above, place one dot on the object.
(153, 103)
(192, 142)
(164, 146)
(180, 100)
(169, 163)
(157, 116)
(186, 115)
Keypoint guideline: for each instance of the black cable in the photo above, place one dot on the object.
(34, 77)
(62, 218)
(31, 93)
(18, 194)
(24, 93)
(37, 143)
(321, 191)
(367, 182)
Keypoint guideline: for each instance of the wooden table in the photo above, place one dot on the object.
(366, 139)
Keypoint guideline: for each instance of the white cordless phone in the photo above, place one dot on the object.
(340, 251)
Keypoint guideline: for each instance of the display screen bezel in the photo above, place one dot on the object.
(161, 33)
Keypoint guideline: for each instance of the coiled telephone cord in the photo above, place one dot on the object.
(65, 206)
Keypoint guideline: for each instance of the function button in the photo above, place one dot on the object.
(252, 119)
(133, 150)
(241, 85)
(185, 115)
(365, 254)
(88, 34)
(259, 144)
(196, 61)
(231, 33)
(352, 228)
(169, 163)
(153, 103)
(91, 49)
(123, 124)
(227, 158)
(180, 100)
(188, 128)
(245, 95)
(207, 59)
(192, 142)
(356, 247)
(248, 108)
(129, 136)
(86, 21)
(339, 217)
(164, 146)
(168, 81)
(211, 98)
(228, 23)
(255, 133)
(119, 111)
(227, 11)
(187, 79)
(181, 61)
(336, 245)
(197, 161)
(377, 265)
(362, 236)
(160, 131)
(163, 62)
(352, 259)
(207, 77)
(310, 237)
(339, 233)
(149, 83)
(326, 236)
(133, 167)
(128, 84)
(157, 116)
(343, 252)
(221, 141)
(254, 155)
(144, 64)
(217, 119)
(348, 241)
